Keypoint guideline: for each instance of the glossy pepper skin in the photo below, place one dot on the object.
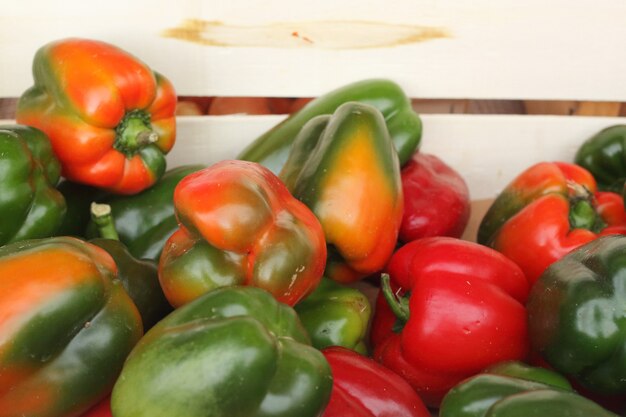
(336, 315)
(549, 210)
(146, 220)
(465, 311)
(345, 169)
(235, 351)
(604, 155)
(139, 277)
(436, 199)
(239, 225)
(535, 393)
(576, 315)
(364, 388)
(67, 326)
(110, 118)
(30, 205)
(405, 127)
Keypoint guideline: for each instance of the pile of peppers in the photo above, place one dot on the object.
(245, 287)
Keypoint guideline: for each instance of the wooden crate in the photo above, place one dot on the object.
(446, 50)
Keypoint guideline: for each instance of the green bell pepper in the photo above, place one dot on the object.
(30, 205)
(146, 220)
(577, 315)
(405, 127)
(235, 352)
(344, 167)
(517, 390)
(336, 315)
(139, 277)
(604, 155)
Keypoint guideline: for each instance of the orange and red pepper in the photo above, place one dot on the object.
(110, 117)
(546, 212)
(239, 225)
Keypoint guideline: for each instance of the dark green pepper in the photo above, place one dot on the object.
(30, 205)
(78, 198)
(336, 315)
(234, 351)
(405, 127)
(604, 155)
(146, 220)
(139, 277)
(577, 315)
(517, 390)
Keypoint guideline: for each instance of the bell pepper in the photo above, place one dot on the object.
(499, 394)
(336, 315)
(67, 326)
(110, 118)
(235, 351)
(364, 388)
(239, 225)
(436, 199)
(451, 308)
(146, 220)
(549, 210)
(140, 278)
(576, 315)
(604, 155)
(30, 205)
(345, 169)
(405, 127)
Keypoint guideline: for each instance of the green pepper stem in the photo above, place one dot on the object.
(399, 306)
(582, 213)
(134, 132)
(102, 217)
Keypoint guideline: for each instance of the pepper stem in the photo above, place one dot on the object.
(398, 305)
(582, 213)
(134, 132)
(102, 217)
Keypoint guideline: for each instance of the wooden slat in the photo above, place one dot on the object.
(488, 150)
(562, 49)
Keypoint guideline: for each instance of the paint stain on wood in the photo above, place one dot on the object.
(314, 34)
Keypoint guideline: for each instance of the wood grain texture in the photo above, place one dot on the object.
(557, 50)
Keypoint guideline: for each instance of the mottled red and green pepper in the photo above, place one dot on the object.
(239, 225)
(344, 167)
(67, 326)
(546, 212)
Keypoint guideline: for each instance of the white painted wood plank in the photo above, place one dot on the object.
(487, 150)
(560, 49)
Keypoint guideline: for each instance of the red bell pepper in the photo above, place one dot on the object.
(109, 117)
(436, 199)
(364, 388)
(452, 308)
(239, 225)
(546, 212)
